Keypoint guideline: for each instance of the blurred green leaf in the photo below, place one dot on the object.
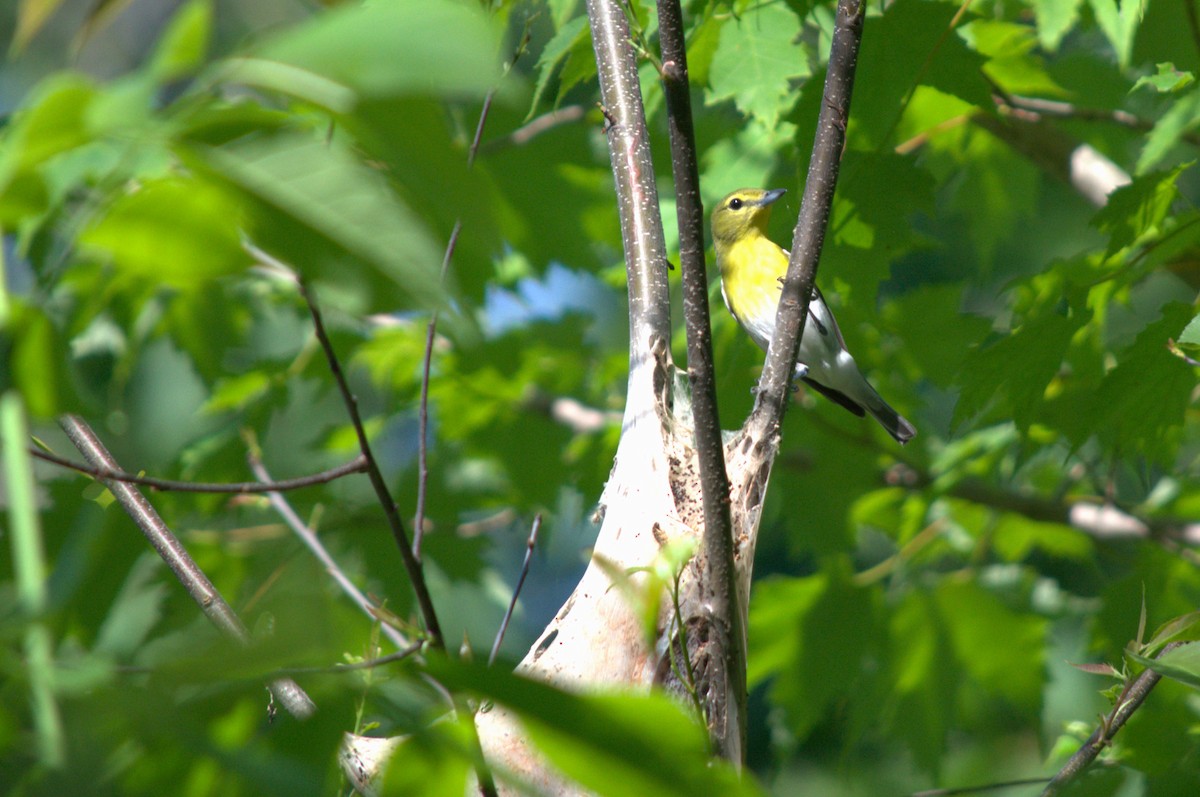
(1002, 649)
(325, 190)
(379, 50)
(1141, 403)
(184, 44)
(613, 744)
(1179, 120)
(1166, 79)
(812, 635)
(1118, 19)
(1012, 373)
(180, 231)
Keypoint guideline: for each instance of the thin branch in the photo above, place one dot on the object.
(286, 691)
(809, 235)
(1130, 701)
(540, 124)
(313, 543)
(725, 695)
(1035, 107)
(357, 465)
(431, 332)
(952, 792)
(423, 404)
(390, 511)
(369, 664)
(570, 412)
(512, 604)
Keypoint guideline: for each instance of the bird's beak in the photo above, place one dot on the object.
(771, 196)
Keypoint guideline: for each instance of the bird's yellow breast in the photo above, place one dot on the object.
(751, 270)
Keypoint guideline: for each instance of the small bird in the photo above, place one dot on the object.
(752, 272)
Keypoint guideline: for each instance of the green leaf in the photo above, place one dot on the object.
(870, 228)
(1119, 20)
(325, 190)
(1191, 333)
(137, 609)
(178, 231)
(936, 333)
(53, 120)
(1012, 60)
(1138, 209)
(817, 634)
(379, 50)
(1181, 118)
(1015, 537)
(1167, 79)
(1012, 374)
(436, 759)
(32, 359)
(1181, 629)
(566, 40)
(612, 744)
(184, 44)
(910, 46)
(925, 674)
(1141, 404)
(1002, 649)
(756, 60)
(1054, 19)
(1181, 664)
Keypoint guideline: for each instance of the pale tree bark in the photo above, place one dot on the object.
(656, 492)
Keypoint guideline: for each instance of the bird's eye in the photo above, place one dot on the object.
(735, 204)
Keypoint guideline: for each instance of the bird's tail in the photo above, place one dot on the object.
(869, 401)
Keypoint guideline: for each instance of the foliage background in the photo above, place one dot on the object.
(915, 609)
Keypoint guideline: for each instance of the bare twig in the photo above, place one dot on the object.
(431, 335)
(356, 666)
(313, 543)
(570, 412)
(286, 691)
(512, 604)
(536, 126)
(423, 404)
(1131, 700)
(357, 465)
(725, 696)
(954, 791)
(390, 511)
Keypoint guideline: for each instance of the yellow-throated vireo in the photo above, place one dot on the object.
(752, 271)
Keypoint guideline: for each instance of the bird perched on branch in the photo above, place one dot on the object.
(752, 272)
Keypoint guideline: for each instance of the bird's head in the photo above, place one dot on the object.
(743, 210)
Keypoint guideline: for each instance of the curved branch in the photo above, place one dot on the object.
(725, 696)
(809, 235)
